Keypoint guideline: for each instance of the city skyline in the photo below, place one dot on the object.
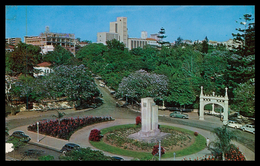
(189, 22)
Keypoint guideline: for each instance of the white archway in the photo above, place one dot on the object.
(214, 99)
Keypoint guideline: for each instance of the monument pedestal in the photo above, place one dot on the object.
(149, 115)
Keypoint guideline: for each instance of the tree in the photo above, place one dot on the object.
(161, 36)
(115, 44)
(142, 84)
(242, 63)
(223, 140)
(178, 41)
(59, 116)
(60, 56)
(73, 82)
(23, 59)
(205, 45)
(244, 96)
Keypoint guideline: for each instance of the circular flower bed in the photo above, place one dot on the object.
(67, 126)
(181, 141)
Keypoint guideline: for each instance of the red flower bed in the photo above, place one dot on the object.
(196, 133)
(66, 126)
(234, 154)
(156, 149)
(138, 120)
(95, 135)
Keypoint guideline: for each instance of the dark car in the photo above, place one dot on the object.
(116, 158)
(21, 135)
(69, 146)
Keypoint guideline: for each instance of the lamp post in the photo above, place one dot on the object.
(174, 155)
(37, 131)
(159, 150)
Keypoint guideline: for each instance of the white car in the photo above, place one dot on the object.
(249, 128)
(101, 85)
(234, 124)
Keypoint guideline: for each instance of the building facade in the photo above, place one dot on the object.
(102, 37)
(12, 41)
(117, 30)
(47, 40)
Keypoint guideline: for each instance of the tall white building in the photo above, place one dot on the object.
(117, 30)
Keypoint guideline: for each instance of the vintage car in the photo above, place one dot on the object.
(69, 146)
(178, 114)
(21, 135)
(248, 128)
(234, 124)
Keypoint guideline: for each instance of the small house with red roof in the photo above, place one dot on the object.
(43, 68)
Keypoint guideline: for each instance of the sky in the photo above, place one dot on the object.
(188, 22)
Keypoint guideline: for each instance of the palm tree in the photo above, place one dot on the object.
(224, 138)
(59, 116)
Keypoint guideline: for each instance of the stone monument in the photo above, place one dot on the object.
(149, 115)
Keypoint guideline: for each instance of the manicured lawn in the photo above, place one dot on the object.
(198, 145)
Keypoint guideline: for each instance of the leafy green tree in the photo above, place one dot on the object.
(242, 63)
(115, 44)
(23, 59)
(223, 140)
(205, 45)
(214, 68)
(178, 42)
(59, 56)
(244, 97)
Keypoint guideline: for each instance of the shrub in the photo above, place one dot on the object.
(156, 149)
(46, 158)
(95, 135)
(67, 126)
(138, 120)
(196, 133)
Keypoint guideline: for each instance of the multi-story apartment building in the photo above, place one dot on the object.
(12, 41)
(47, 40)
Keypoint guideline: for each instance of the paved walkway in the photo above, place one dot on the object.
(81, 137)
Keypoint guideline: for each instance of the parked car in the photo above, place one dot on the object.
(249, 128)
(101, 85)
(21, 135)
(69, 146)
(234, 124)
(118, 158)
(178, 114)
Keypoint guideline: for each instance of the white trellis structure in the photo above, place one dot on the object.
(214, 99)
